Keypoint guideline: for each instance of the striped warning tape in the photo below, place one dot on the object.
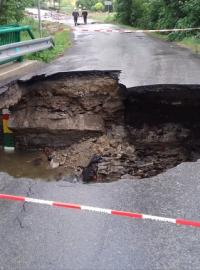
(101, 210)
(77, 29)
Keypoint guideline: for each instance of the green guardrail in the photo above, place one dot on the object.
(11, 34)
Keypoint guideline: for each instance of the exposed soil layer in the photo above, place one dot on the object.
(138, 132)
(163, 124)
(65, 108)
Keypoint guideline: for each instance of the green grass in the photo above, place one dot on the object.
(62, 42)
(34, 29)
(103, 17)
(67, 5)
(160, 36)
(61, 39)
(191, 43)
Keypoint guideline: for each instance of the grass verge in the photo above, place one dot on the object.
(109, 18)
(61, 36)
(160, 36)
(62, 42)
(103, 17)
(192, 43)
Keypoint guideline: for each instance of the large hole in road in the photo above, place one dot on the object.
(87, 125)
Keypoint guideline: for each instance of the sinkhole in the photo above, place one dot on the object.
(85, 125)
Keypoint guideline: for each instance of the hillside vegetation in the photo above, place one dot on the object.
(160, 14)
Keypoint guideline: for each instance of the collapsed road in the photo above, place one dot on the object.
(37, 237)
(73, 116)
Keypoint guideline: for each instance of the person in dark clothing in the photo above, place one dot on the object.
(75, 14)
(84, 14)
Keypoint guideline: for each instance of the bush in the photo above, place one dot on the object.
(124, 10)
(93, 8)
(12, 11)
(99, 6)
(160, 14)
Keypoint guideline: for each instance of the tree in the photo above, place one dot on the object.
(159, 13)
(88, 3)
(124, 10)
(12, 11)
(99, 6)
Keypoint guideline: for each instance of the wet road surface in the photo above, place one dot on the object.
(42, 237)
(143, 60)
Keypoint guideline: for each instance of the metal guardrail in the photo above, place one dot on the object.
(14, 29)
(11, 34)
(18, 49)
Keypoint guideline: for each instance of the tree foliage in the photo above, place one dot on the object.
(89, 4)
(159, 13)
(99, 6)
(12, 11)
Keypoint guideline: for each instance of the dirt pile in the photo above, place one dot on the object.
(117, 154)
(124, 155)
(53, 27)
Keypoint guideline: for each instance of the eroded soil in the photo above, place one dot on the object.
(70, 117)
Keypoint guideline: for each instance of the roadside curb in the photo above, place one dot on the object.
(177, 221)
(19, 69)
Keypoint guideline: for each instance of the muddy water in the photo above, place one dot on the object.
(30, 164)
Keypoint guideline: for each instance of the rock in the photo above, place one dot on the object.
(130, 150)
(54, 164)
(128, 176)
(119, 132)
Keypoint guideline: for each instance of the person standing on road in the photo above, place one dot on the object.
(84, 14)
(75, 14)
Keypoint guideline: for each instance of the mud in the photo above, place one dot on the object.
(23, 164)
(139, 132)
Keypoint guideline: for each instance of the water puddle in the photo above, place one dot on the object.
(31, 165)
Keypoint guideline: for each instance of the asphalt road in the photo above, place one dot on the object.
(143, 60)
(40, 237)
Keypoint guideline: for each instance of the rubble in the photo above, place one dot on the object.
(120, 157)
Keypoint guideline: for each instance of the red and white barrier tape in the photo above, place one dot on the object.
(101, 210)
(77, 29)
(59, 17)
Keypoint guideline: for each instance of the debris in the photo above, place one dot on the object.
(128, 176)
(54, 164)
